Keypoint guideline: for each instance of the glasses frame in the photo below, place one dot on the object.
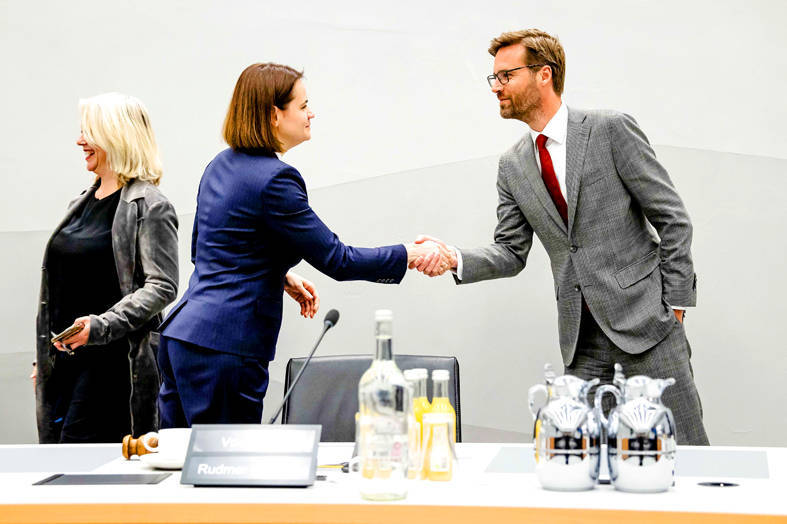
(505, 72)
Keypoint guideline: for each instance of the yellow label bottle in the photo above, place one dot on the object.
(440, 402)
(438, 455)
(417, 379)
(421, 404)
(413, 430)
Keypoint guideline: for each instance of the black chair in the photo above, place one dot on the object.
(327, 393)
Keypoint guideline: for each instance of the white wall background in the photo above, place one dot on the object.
(398, 88)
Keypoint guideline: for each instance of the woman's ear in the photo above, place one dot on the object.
(275, 117)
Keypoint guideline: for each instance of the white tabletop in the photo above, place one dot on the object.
(487, 476)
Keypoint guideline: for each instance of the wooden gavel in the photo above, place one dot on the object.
(133, 446)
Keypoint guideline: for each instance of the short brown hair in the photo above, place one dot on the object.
(541, 48)
(260, 87)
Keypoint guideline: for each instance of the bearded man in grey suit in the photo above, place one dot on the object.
(589, 185)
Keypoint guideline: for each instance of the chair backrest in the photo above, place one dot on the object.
(327, 393)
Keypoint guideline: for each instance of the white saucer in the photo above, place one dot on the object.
(159, 461)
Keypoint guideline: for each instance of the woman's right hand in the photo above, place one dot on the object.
(303, 292)
(34, 375)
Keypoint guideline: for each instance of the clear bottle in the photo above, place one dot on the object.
(440, 401)
(384, 400)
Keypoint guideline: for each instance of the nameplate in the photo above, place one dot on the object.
(251, 455)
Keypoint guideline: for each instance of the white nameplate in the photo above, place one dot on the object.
(251, 455)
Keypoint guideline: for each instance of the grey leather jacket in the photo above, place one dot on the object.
(145, 243)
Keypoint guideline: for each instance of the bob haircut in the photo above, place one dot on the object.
(259, 89)
(119, 124)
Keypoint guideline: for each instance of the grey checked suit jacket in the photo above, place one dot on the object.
(628, 273)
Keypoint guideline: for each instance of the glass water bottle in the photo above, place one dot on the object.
(384, 400)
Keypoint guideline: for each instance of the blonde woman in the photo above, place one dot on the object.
(110, 266)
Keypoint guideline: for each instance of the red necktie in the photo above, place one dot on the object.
(549, 178)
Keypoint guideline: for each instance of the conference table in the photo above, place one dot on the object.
(493, 483)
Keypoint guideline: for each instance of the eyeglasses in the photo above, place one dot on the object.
(503, 76)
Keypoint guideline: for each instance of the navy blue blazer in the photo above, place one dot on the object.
(253, 223)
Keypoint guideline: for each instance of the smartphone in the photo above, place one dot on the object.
(68, 332)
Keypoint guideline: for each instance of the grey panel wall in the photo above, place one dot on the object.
(504, 331)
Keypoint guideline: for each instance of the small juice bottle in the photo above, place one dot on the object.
(413, 431)
(421, 406)
(440, 402)
(438, 461)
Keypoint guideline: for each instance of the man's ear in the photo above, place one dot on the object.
(545, 74)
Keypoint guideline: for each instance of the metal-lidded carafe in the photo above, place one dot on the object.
(566, 433)
(641, 443)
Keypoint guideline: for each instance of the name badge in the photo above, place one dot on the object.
(251, 455)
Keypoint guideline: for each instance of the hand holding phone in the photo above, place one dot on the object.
(67, 333)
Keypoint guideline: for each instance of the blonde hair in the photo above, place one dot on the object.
(119, 124)
(541, 48)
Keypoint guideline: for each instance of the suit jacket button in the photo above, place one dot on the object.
(577, 288)
(573, 249)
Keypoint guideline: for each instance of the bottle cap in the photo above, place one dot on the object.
(420, 373)
(383, 314)
(410, 374)
(439, 374)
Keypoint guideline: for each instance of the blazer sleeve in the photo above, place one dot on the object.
(287, 214)
(513, 239)
(157, 243)
(650, 185)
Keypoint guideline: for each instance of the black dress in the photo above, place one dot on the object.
(93, 385)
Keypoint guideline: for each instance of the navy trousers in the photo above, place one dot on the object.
(204, 386)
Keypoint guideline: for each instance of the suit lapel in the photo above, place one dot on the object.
(124, 233)
(533, 175)
(576, 147)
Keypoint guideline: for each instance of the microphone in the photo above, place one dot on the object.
(331, 319)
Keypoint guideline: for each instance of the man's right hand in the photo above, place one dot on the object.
(447, 262)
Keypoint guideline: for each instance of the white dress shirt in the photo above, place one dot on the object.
(555, 131)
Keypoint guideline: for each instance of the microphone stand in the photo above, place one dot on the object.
(326, 326)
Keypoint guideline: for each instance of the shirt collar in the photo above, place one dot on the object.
(556, 129)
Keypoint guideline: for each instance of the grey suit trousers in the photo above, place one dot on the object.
(596, 355)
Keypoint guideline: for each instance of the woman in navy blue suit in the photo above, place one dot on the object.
(253, 223)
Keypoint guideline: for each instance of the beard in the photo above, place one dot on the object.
(522, 106)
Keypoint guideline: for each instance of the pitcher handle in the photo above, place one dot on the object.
(606, 388)
(531, 400)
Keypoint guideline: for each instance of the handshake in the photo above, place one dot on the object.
(430, 256)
